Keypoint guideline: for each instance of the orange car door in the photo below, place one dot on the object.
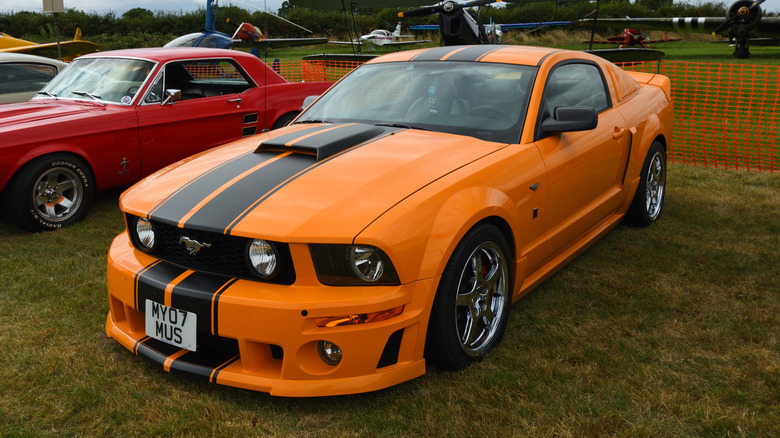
(584, 168)
(213, 110)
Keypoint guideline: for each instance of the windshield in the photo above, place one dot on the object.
(483, 100)
(112, 80)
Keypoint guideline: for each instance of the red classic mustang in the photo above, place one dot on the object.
(111, 118)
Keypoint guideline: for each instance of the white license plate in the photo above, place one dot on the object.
(173, 326)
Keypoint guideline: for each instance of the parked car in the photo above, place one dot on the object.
(112, 118)
(22, 76)
(392, 224)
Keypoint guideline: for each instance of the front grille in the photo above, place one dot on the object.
(227, 255)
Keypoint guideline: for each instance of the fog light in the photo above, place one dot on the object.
(329, 352)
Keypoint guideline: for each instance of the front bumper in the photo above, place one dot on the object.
(263, 336)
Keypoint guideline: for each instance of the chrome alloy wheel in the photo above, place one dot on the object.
(57, 194)
(655, 183)
(482, 295)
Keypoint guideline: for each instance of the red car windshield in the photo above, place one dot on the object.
(111, 80)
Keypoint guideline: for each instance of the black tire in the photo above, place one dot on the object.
(50, 192)
(649, 198)
(471, 307)
(284, 120)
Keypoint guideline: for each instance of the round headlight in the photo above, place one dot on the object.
(263, 258)
(366, 262)
(144, 230)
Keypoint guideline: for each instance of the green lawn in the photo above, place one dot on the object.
(666, 331)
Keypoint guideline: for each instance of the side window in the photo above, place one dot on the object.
(575, 85)
(24, 77)
(206, 78)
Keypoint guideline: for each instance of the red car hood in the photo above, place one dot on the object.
(36, 112)
(302, 183)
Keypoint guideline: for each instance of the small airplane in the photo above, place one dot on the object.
(69, 49)
(381, 38)
(350, 6)
(495, 31)
(457, 24)
(245, 33)
(633, 37)
(744, 22)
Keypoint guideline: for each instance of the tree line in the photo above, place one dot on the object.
(140, 27)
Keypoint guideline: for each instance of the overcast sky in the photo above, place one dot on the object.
(120, 6)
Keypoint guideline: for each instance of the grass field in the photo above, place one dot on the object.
(666, 331)
(672, 330)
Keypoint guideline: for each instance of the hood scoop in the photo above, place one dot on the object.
(322, 141)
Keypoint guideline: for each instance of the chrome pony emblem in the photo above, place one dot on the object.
(192, 245)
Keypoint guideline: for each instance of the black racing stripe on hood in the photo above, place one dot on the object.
(260, 200)
(325, 144)
(177, 205)
(151, 283)
(221, 211)
(287, 138)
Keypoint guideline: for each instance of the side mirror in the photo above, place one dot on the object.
(171, 96)
(571, 118)
(308, 101)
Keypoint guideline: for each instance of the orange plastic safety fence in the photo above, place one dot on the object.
(312, 71)
(725, 114)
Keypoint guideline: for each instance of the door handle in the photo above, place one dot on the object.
(237, 100)
(619, 132)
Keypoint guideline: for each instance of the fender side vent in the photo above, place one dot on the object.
(392, 347)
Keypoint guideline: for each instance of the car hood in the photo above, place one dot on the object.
(304, 183)
(35, 112)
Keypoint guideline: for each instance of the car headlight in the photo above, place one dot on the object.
(145, 235)
(263, 258)
(352, 265)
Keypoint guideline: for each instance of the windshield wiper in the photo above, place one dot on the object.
(46, 93)
(401, 125)
(84, 93)
(312, 121)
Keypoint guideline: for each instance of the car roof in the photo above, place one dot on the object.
(510, 54)
(164, 54)
(23, 57)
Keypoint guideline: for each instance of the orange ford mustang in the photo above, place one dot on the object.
(392, 224)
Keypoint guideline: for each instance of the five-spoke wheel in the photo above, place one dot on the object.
(50, 192)
(472, 302)
(649, 199)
